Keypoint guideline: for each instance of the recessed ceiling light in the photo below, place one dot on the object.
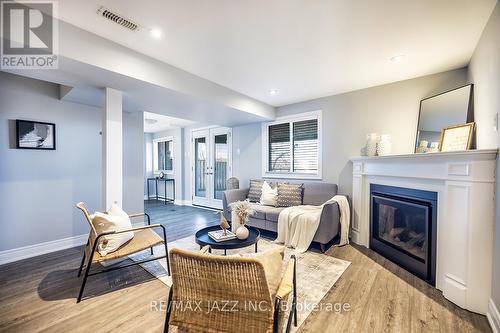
(398, 58)
(155, 33)
(273, 92)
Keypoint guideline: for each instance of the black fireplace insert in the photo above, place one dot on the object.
(403, 228)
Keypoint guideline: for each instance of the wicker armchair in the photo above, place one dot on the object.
(227, 294)
(144, 238)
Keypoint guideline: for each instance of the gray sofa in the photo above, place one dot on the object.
(315, 193)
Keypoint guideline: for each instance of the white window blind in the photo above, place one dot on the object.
(305, 146)
(293, 147)
(279, 148)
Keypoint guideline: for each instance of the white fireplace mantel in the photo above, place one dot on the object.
(465, 184)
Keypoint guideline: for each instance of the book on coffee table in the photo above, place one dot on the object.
(218, 235)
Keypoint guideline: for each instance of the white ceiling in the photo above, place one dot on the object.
(163, 123)
(304, 49)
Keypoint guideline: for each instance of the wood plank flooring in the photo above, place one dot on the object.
(180, 221)
(38, 294)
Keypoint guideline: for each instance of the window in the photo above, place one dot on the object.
(163, 154)
(292, 146)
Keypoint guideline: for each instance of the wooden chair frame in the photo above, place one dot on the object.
(277, 303)
(96, 241)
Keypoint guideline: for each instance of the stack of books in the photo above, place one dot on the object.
(219, 236)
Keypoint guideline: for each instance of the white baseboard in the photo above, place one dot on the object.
(176, 201)
(42, 248)
(493, 316)
(183, 202)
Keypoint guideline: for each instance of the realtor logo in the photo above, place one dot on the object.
(29, 34)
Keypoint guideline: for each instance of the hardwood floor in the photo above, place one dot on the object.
(180, 221)
(38, 294)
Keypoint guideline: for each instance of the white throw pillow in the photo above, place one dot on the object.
(269, 195)
(115, 220)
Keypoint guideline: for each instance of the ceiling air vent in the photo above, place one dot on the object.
(117, 18)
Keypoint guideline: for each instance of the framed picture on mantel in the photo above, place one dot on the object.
(457, 138)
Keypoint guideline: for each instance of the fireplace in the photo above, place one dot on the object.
(403, 228)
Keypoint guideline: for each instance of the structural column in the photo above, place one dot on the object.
(112, 161)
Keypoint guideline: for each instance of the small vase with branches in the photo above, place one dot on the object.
(241, 211)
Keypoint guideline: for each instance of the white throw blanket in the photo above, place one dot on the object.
(297, 225)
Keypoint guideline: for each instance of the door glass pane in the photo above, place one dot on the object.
(169, 165)
(161, 156)
(220, 165)
(200, 181)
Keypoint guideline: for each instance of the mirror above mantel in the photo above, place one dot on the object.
(453, 107)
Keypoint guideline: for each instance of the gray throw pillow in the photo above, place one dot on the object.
(255, 190)
(289, 195)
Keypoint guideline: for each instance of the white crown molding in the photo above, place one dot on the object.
(30, 251)
(493, 316)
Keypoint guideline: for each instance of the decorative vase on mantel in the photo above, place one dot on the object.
(371, 144)
(384, 145)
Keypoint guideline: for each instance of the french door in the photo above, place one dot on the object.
(211, 165)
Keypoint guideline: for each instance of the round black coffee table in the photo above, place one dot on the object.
(203, 239)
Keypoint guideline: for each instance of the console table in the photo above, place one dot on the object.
(165, 181)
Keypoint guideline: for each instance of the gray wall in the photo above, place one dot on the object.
(387, 109)
(38, 189)
(148, 160)
(133, 166)
(484, 72)
(247, 153)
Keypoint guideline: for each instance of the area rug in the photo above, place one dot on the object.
(316, 272)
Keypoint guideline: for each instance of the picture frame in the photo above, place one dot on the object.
(35, 135)
(457, 138)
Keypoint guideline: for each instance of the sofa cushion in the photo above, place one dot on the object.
(261, 211)
(255, 191)
(257, 223)
(272, 214)
(289, 195)
(317, 193)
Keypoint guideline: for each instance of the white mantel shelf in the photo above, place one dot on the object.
(465, 184)
(476, 152)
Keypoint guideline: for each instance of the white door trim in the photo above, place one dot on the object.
(209, 132)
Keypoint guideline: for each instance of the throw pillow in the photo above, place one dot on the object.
(289, 195)
(272, 260)
(255, 191)
(115, 220)
(269, 195)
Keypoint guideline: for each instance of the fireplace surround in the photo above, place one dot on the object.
(465, 214)
(403, 228)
